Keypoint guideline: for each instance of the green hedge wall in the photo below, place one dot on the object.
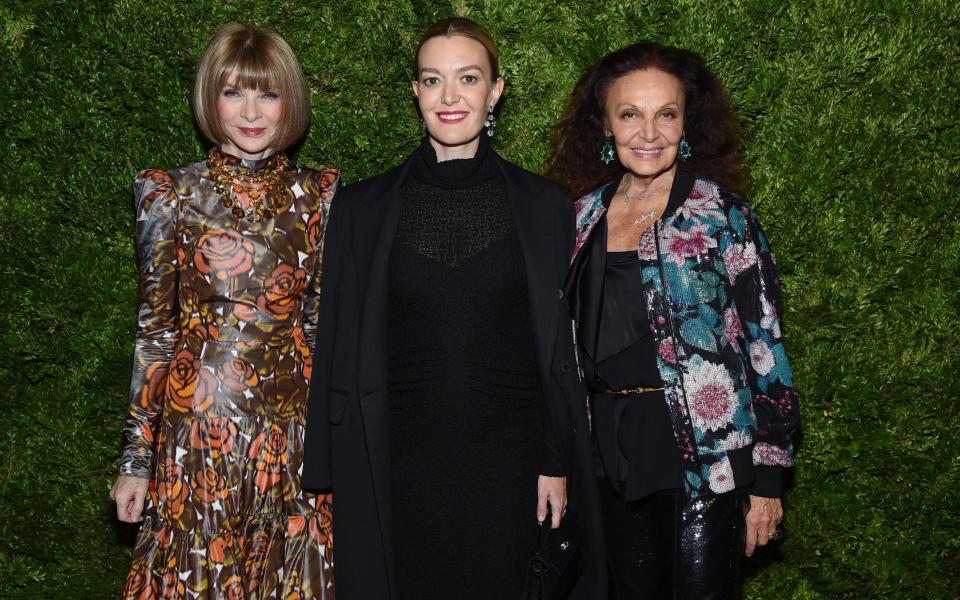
(851, 114)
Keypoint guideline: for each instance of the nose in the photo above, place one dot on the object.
(648, 130)
(251, 109)
(450, 94)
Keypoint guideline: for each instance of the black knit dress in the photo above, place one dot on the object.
(466, 411)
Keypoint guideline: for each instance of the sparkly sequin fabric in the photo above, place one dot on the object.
(713, 300)
(222, 365)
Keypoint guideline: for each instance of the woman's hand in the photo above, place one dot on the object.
(552, 491)
(130, 493)
(762, 519)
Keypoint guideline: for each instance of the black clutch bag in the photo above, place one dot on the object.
(556, 564)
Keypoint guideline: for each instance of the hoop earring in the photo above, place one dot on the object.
(684, 150)
(491, 122)
(607, 153)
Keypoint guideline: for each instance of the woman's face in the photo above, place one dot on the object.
(454, 89)
(249, 119)
(644, 114)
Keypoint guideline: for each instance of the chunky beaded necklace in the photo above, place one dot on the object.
(264, 186)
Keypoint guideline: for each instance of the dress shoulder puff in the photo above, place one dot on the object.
(321, 183)
(150, 185)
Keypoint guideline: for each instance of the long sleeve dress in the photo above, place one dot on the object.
(222, 365)
(467, 434)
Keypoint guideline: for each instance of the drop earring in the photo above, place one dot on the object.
(607, 153)
(423, 127)
(684, 150)
(491, 122)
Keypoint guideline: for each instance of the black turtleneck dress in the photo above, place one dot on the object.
(467, 428)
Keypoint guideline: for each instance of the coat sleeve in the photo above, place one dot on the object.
(317, 456)
(157, 318)
(324, 184)
(775, 401)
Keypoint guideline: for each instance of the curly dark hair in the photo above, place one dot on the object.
(710, 126)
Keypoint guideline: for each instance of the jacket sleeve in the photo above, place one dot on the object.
(157, 318)
(324, 184)
(756, 288)
(317, 454)
(556, 457)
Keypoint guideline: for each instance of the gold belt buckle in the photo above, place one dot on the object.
(636, 390)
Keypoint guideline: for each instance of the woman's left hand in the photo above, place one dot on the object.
(762, 519)
(552, 491)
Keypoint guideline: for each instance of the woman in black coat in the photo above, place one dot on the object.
(446, 411)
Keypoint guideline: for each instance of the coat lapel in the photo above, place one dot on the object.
(543, 255)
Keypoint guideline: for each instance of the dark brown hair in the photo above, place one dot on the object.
(253, 58)
(466, 28)
(709, 124)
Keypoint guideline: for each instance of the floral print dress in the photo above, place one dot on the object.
(221, 373)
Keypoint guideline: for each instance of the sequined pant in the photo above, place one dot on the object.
(672, 547)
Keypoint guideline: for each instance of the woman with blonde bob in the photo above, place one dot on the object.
(229, 252)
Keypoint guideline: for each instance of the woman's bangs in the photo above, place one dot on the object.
(249, 70)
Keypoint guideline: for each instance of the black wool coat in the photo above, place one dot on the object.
(346, 445)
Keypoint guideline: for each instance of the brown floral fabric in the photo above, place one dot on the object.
(222, 366)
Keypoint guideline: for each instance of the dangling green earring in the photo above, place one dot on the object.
(606, 153)
(684, 150)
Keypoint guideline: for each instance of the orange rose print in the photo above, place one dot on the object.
(232, 589)
(245, 312)
(213, 434)
(223, 254)
(140, 585)
(196, 328)
(295, 524)
(171, 489)
(327, 178)
(237, 375)
(218, 548)
(190, 387)
(209, 486)
(269, 450)
(283, 291)
(171, 588)
(314, 230)
(257, 559)
(152, 394)
(321, 524)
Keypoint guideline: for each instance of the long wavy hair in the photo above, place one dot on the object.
(710, 126)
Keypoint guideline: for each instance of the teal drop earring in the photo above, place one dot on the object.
(684, 149)
(606, 153)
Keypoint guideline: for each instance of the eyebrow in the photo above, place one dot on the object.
(461, 69)
(637, 107)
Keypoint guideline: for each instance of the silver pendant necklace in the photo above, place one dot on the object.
(645, 217)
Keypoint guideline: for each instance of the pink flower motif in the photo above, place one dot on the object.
(648, 245)
(689, 243)
(703, 201)
(245, 312)
(667, 351)
(721, 476)
(732, 327)
(738, 258)
(761, 357)
(767, 454)
(713, 401)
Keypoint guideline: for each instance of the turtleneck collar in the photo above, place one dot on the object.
(456, 173)
(244, 165)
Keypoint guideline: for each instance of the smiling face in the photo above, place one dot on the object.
(644, 114)
(454, 89)
(250, 119)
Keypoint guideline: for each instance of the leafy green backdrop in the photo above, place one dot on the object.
(851, 113)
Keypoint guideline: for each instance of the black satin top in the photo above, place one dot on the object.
(633, 436)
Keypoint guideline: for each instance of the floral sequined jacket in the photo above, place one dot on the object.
(713, 298)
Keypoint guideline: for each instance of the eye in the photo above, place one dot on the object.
(430, 81)
(668, 114)
(628, 114)
(470, 79)
(231, 93)
(270, 95)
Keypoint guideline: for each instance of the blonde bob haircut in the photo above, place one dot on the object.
(251, 58)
